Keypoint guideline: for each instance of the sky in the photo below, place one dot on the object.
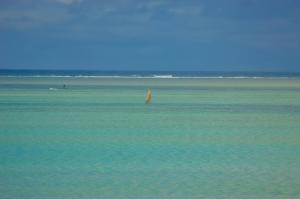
(192, 35)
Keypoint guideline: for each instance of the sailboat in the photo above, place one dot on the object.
(148, 97)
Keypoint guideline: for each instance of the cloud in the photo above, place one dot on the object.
(188, 11)
(68, 2)
(33, 17)
(200, 21)
(148, 5)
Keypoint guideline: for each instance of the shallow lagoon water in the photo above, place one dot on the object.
(200, 138)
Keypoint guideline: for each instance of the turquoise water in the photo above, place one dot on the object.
(200, 138)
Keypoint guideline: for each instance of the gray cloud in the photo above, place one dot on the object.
(68, 2)
(201, 21)
(23, 15)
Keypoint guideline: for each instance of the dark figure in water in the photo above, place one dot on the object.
(64, 86)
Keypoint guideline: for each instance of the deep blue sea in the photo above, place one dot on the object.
(158, 74)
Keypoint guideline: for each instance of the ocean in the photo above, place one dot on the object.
(87, 134)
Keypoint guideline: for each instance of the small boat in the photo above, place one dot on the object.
(148, 97)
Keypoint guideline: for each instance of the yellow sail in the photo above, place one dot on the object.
(149, 96)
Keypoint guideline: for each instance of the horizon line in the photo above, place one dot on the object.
(137, 70)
